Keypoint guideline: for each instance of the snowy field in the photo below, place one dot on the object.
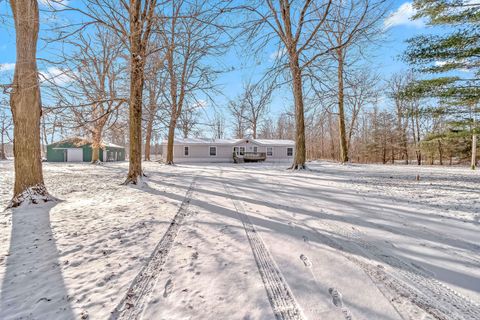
(249, 241)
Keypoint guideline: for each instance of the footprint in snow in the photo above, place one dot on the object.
(305, 260)
(168, 288)
(336, 297)
(338, 302)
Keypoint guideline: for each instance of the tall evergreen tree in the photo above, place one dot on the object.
(452, 59)
(446, 56)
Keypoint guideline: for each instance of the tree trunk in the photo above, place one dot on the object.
(44, 136)
(405, 146)
(417, 126)
(402, 126)
(152, 110)
(440, 152)
(26, 107)
(137, 64)
(3, 156)
(175, 107)
(419, 157)
(474, 152)
(300, 154)
(171, 137)
(384, 154)
(148, 138)
(96, 144)
(341, 111)
(332, 144)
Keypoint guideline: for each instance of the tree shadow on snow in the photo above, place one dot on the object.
(33, 286)
(335, 241)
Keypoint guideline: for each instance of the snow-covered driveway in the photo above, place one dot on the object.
(341, 249)
(259, 242)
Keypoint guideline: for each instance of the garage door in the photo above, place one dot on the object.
(75, 155)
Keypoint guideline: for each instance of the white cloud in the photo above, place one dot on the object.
(7, 67)
(278, 54)
(51, 75)
(56, 4)
(403, 17)
(55, 75)
(200, 104)
(442, 63)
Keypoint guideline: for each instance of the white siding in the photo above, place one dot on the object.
(201, 152)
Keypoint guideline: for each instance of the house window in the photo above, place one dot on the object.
(289, 152)
(186, 151)
(255, 149)
(213, 151)
(242, 151)
(269, 151)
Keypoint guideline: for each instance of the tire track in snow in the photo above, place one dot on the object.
(133, 304)
(426, 292)
(406, 280)
(411, 282)
(279, 294)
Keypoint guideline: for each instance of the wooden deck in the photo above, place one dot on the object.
(249, 157)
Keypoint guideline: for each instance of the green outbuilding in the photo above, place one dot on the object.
(80, 150)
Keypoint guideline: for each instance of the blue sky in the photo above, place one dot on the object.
(386, 61)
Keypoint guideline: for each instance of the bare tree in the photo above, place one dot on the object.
(267, 129)
(188, 120)
(415, 115)
(155, 86)
(295, 24)
(256, 98)
(238, 110)
(218, 126)
(93, 93)
(133, 22)
(141, 17)
(397, 84)
(194, 31)
(352, 24)
(25, 103)
(361, 90)
(473, 129)
(5, 127)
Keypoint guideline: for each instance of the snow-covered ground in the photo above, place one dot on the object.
(250, 241)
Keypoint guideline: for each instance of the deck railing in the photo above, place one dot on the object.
(250, 156)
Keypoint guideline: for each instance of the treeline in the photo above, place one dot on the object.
(397, 129)
(134, 72)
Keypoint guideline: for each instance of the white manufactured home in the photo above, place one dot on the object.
(230, 150)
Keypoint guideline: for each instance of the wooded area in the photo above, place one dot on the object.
(137, 72)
